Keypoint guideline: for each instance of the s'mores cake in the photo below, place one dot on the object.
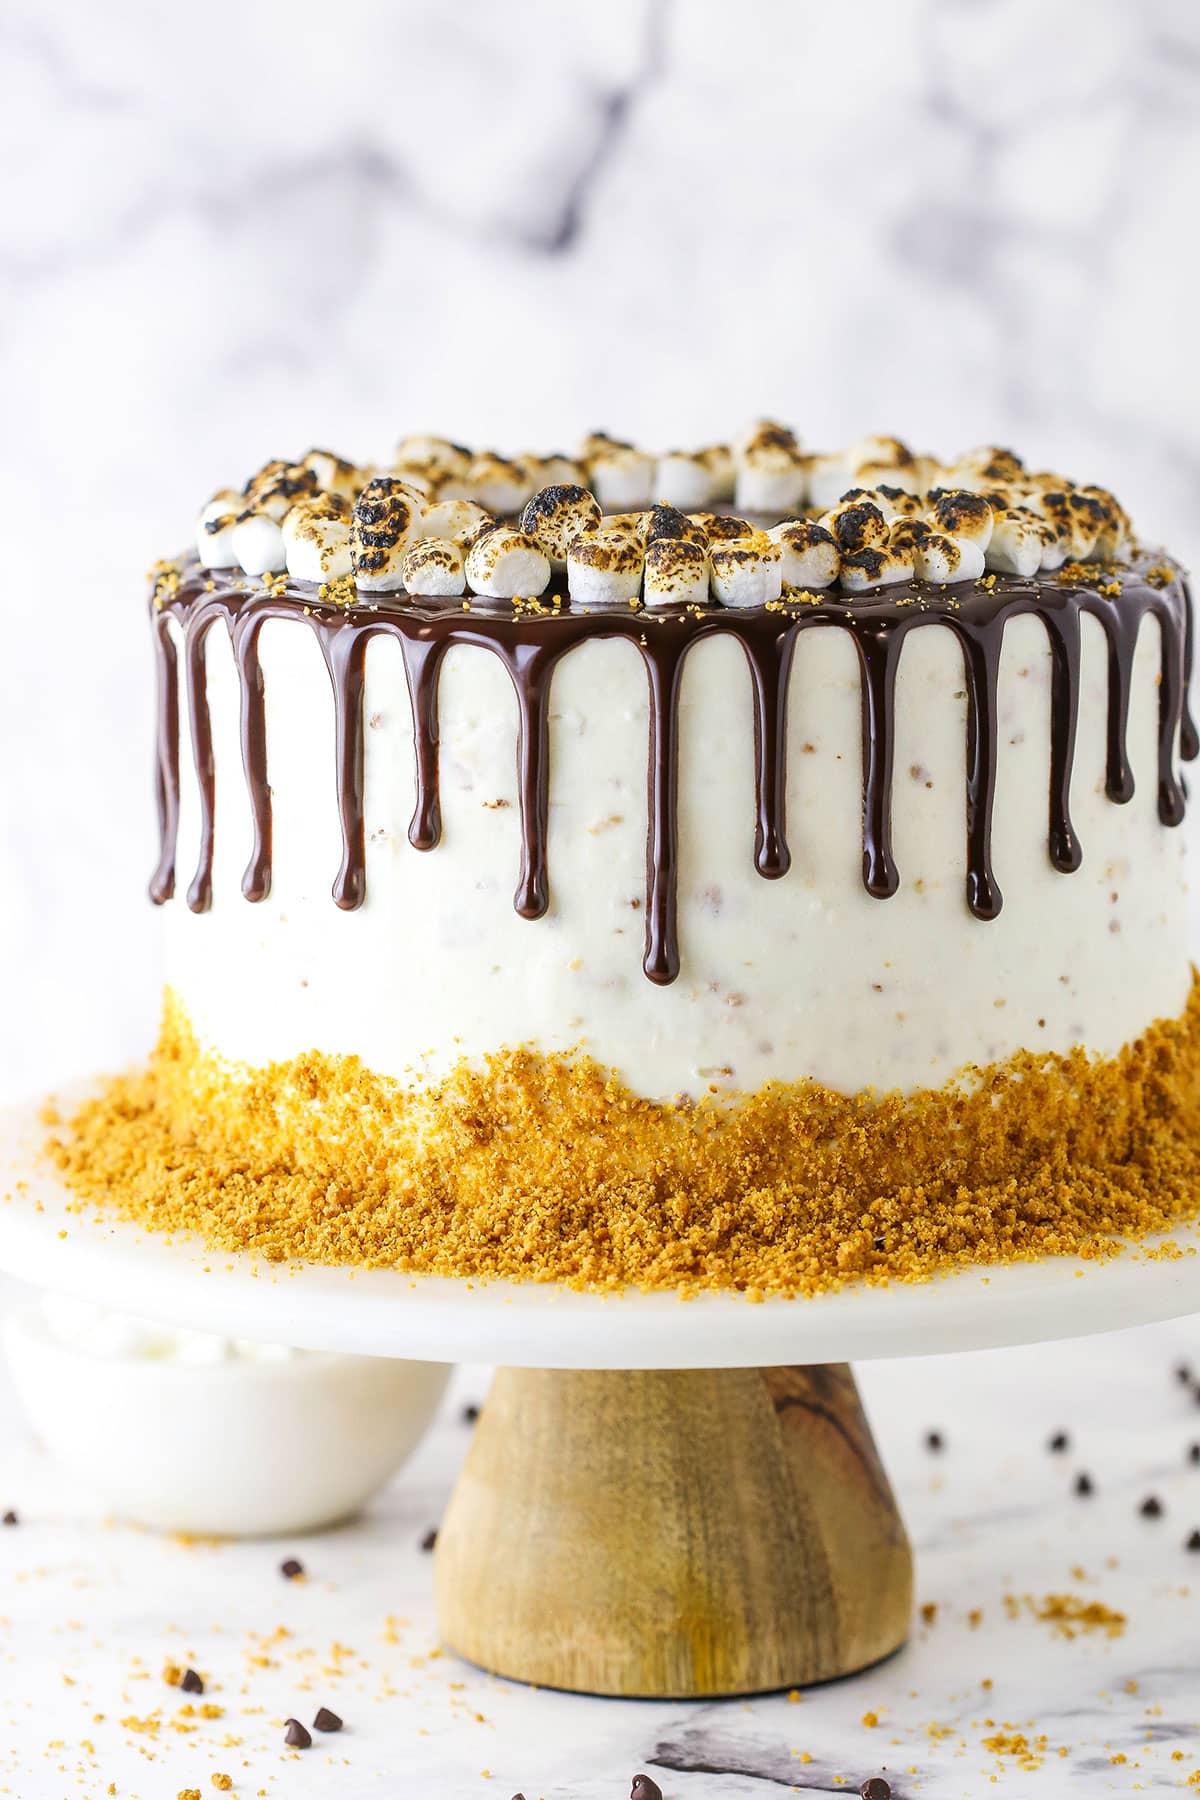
(739, 867)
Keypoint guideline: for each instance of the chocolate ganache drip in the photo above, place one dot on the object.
(530, 643)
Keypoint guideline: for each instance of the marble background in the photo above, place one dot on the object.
(231, 231)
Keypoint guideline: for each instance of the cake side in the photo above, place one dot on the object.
(808, 974)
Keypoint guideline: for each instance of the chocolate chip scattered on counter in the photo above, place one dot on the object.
(1083, 1484)
(1193, 1542)
(934, 1441)
(292, 1568)
(1183, 1375)
(190, 1682)
(1151, 1507)
(1059, 1442)
(295, 1735)
(326, 1720)
(876, 1789)
(470, 1413)
(1194, 1453)
(11, 1518)
(430, 1538)
(645, 1789)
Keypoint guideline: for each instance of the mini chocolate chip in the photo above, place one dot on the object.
(1151, 1507)
(876, 1789)
(470, 1414)
(1083, 1484)
(1059, 1442)
(10, 1518)
(430, 1538)
(291, 1568)
(1193, 1542)
(191, 1683)
(296, 1736)
(1193, 1455)
(326, 1720)
(645, 1789)
(1183, 1375)
(934, 1441)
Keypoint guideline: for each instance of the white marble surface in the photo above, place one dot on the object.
(91, 1611)
(230, 232)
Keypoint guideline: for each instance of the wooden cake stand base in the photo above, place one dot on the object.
(673, 1533)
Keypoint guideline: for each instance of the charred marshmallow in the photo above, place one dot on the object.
(385, 524)
(558, 515)
(811, 558)
(316, 539)
(604, 568)
(676, 572)
(770, 470)
(435, 565)
(746, 571)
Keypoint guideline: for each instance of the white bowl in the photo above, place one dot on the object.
(190, 1433)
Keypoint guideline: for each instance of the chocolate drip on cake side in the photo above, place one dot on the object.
(531, 644)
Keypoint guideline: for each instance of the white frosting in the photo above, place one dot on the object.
(807, 975)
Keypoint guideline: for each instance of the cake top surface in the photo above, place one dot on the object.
(736, 524)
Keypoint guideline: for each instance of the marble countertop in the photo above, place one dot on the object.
(92, 1610)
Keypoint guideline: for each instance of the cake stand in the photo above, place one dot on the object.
(662, 1497)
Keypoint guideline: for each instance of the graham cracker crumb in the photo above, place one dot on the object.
(549, 1168)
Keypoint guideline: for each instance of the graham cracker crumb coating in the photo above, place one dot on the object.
(548, 1168)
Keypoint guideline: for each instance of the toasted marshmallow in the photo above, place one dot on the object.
(719, 527)
(676, 572)
(385, 524)
(828, 477)
(962, 515)
(939, 558)
(811, 558)
(633, 524)
(1077, 522)
(555, 470)
(435, 565)
(276, 488)
(500, 483)
(214, 530)
(506, 564)
(1017, 542)
(458, 520)
(316, 538)
(746, 571)
(423, 451)
(604, 568)
(771, 472)
(856, 524)
(669, 522)
(880, 452)
(718, 459)
(258, 544)
(896, 502)
(881, 565)
(683, 478)
(1116, 533)
(556, 516)
(977, 470)
(621, 477)
(335, 475)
